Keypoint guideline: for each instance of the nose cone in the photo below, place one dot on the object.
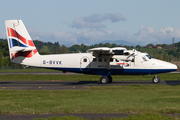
(170, 66)
(166, 66)
(173, 67)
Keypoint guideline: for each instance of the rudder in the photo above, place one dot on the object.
(20, 43)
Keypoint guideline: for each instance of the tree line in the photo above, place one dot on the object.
(167, 52)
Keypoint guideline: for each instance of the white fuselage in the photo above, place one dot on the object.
(88, 64)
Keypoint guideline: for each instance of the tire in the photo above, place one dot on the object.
(110, 79)
(156, 79)
(104, 80)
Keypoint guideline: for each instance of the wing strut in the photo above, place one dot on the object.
(108, 63)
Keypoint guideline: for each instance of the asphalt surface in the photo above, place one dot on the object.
(72, 85)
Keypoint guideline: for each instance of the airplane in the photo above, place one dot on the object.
(102, 61)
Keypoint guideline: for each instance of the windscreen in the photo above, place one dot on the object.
(148, 56)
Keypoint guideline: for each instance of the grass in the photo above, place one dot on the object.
(107, 99)
(34, 70)
(131, 117)
(82, 77)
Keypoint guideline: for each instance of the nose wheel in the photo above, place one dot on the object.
(105, 80)
(156, 79)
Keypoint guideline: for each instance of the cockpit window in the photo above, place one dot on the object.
(144, 58)
(148, 56)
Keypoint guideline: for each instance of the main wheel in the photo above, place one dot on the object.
(104, 80)
(110, 79)
(156, 79)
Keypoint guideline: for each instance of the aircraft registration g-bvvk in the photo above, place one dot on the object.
(99, 61)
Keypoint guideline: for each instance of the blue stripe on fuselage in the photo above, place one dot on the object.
(115, 71)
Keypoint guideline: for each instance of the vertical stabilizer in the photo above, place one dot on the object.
(21, 46)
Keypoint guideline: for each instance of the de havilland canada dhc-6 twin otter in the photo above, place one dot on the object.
(102, 61)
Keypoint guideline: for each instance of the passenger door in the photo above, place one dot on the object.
(85, 64)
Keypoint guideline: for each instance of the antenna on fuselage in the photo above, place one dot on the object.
(79, 51)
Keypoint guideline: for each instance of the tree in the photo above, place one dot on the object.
(74, 48)
(1, 56)
(138, 47)
(5, 62)
(44, 50)
(64, 49)
(150, 44)
(107, 45)
(101, 44)
(164, 45)
(113, 45)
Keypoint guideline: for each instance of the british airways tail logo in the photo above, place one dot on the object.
(13, 42)
(15, 39)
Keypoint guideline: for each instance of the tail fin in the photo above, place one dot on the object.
(20, 43)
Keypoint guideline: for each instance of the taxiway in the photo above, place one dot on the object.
(71, 85)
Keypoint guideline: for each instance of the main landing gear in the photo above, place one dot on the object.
(156, 79)
(105, 80)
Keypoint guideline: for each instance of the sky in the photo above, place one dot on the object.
(92, 21)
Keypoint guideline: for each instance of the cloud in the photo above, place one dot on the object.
(163, 35)
(57, 36)
(114, 17)
(143, 36)
(94, 20)
(81, 23)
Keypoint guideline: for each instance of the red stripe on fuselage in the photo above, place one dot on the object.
(122, 63)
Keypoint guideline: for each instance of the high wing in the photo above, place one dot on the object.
(105, 51)
(120, 53)
(100, 52)
(108, 53)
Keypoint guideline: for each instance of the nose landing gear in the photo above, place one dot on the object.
(156, 79)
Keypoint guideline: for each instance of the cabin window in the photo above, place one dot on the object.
(127, 53)
(117, 60)
(85, 60)
(132, 60)
(100, 59)
(111, 59)
(94, 59)
(118, 52)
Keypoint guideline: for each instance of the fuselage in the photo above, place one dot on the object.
(88, 64)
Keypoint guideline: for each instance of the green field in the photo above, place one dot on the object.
(150, 100)
(34, 70)
(131, 117)
(109, 99)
